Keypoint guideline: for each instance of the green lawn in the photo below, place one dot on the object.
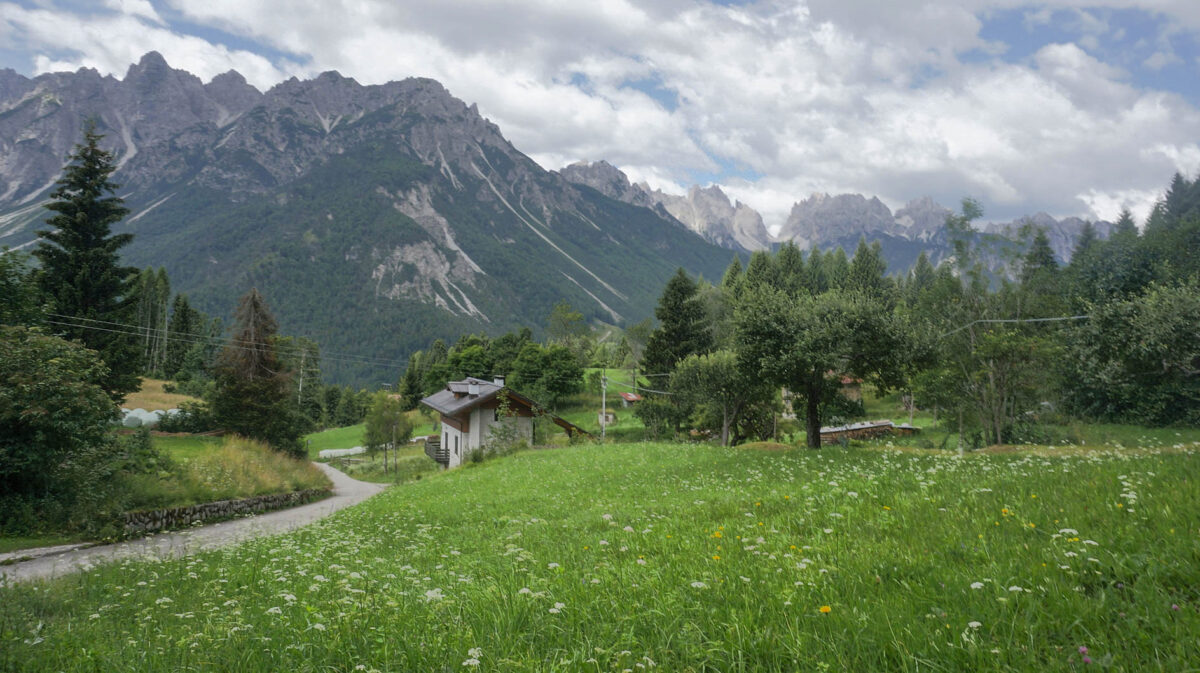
(334, 438)
(187, 448)
(676, 558)
(352, 435)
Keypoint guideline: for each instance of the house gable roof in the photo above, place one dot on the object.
(456, 398)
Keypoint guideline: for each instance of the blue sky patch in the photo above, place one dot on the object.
(1155, 53)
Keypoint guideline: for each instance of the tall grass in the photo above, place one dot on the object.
(678, 558)
(152, 397)
(237, 468)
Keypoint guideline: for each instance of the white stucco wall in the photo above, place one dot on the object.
(449, 438)
(481, 423)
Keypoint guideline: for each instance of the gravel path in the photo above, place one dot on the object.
(346, 492)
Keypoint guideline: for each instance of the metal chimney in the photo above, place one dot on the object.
(498, 380)
(472, 388)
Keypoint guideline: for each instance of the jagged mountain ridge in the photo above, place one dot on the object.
(705, 210)
(820, 221)
(373, 218)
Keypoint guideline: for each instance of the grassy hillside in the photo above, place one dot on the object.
(675, 557)
(151, 397)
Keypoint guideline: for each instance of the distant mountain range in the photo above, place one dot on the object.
(376, 218)
(821, 220)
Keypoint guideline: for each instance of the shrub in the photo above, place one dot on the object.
(191, 417)
(57, 457)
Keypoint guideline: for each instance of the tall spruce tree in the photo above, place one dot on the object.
(182, 329)
(867, 270)
(81, 273)
(253, 395)
(683, 328)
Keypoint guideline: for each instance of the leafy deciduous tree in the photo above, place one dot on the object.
(387, 426)
(796, 341)
(56, 450)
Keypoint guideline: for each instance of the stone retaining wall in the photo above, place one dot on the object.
(154, 520)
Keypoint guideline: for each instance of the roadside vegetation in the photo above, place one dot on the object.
(198, 472)
(676, 557)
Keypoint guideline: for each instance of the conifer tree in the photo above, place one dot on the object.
(185, 323)
(253, 391)
(682, 328)
(790, 274)
(920, 278)
(732, 280)
(1039, 260)
(81, 273)
(760, 269)
(867, 270)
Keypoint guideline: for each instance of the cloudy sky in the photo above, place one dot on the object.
(1074, 107)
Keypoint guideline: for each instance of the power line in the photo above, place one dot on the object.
(134, 331)
(645, 390)
(141, 331)
(1014, 320)
(185, 336)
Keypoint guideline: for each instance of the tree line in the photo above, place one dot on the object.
(998, 354)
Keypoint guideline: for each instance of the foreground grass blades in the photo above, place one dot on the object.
(645, 556)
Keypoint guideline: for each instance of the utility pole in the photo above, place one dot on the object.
(300, 392)
(603, 403)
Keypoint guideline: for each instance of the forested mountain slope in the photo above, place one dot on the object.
(372, 218)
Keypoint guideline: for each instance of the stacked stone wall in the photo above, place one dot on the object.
(154, 520)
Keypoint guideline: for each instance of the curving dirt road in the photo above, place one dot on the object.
(346, 492)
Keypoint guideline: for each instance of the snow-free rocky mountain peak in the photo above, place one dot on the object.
(819, 221)
(372, 218)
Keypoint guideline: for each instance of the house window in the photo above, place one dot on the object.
(456, 445)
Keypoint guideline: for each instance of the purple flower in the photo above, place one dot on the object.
(1174, 607)
(1083, 649)
(1087, 659)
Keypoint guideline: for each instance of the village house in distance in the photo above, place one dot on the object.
(472, 410)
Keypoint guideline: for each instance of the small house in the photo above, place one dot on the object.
(472, 410)
(630, 399)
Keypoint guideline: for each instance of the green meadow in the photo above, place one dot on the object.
(635, 557)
